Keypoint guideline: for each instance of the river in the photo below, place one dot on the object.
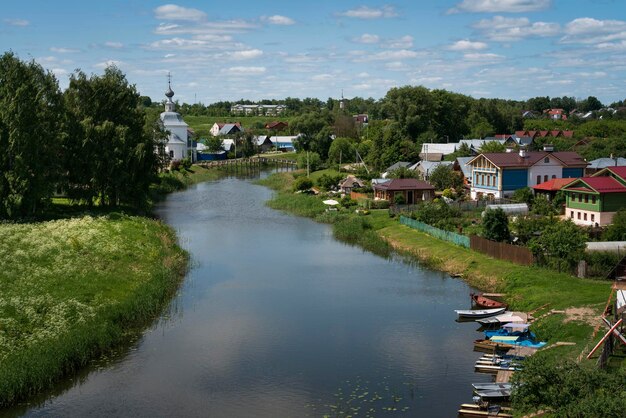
(278, 319)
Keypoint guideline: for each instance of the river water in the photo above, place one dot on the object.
(278, 319)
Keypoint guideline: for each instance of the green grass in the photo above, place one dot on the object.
(315, 176)
(71, 289)
(179, 180)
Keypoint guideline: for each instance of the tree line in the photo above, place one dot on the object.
(91, 141)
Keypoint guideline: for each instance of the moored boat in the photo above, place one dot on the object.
(469, 410)
(485, 302)
(478, 313)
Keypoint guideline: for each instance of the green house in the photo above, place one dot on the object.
(594, 200)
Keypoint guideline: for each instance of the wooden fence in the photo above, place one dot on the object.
(502, 251)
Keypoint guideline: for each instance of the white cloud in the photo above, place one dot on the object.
(506, 29)
(115, 45)
(244, 70)
(323, 77)
(482, 57)
(467, 45)
(404, 42)
(278, 20)
(16, 22)
(500, 6)
(174, 12)
(59, 72)
(64, 50)
(246, 54)
(109, 63)
(367, 38)
(364, 12)
(202, 28)
(388, 55)
(587, 30)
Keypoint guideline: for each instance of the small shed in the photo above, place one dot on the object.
(412, 190)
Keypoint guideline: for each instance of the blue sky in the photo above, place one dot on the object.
(228, 50)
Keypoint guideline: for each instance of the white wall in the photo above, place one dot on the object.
(553, 168)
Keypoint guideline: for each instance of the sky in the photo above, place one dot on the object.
(249, 49)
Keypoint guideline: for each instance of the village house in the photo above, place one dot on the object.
(257, 109)
(499, 174)
(412, 191)
(436, 152)
(220, 128)
(425, 167)
(276, 126)
(594, 200)
(350, 182)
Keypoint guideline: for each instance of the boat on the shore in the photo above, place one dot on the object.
(485, 302)
(504, 318)
(478, 313)
(469, 410)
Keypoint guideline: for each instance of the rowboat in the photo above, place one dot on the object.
(499, 394)
(485, 302)
(489, 346)
(492, 386)
(479, 313)
(506, 317)
(469, 410)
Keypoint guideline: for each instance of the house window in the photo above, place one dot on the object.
(586, 198)
(546, 160)
(580, 198)
(488, 180)
(482, 179)
(593, 217)
(171, 153)
(593, 201)
(538, 179)
(545, 178)
(584, 216)
(578, 215)
(553, 176)
(571, 214)
(573, 197)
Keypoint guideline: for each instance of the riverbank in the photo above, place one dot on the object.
(77, 286)
(71, 289)
(527, 288)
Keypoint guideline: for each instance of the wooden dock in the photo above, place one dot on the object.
(504, 376)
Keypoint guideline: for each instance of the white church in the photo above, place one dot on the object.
(180, 142)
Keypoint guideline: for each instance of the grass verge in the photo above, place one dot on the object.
(72, 289)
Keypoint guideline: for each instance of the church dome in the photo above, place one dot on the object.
(169, 93)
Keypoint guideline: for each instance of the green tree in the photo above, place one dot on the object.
(496, 225)
(444, 177)
(31, 113)
(313, 160)
(617, 230)
(341, 150)
(523, 195)
(561, 241)
(403, 173)
(213, 144)
(542, 206)
(109, 154)
(492, 146)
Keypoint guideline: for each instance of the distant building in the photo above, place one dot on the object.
(257, 109)
(412, 190)
(276, 125)
(361, 119)
(180, 142)
(222, 128)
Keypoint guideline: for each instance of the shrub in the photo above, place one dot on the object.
(496, 225)
(347, 202)
(175, 165)
(398, 199)
(302, 184)
(186, 163)
(380, 204)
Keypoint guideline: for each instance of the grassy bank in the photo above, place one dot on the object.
(179, 180)
(71, 289)
(527, 288)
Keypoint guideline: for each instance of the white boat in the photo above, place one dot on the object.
(479, 313)
(492, 386)
(506, 317)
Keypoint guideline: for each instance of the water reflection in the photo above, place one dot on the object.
(276, 318)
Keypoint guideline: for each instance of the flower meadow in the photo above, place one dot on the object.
(71, 289)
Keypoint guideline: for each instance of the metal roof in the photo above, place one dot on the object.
(405, 184)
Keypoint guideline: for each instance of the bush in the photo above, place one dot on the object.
(600, 263)
(496, 225)
(302, 184)
(175, 165)
(328, 182)
(186, 163)
(438, 214)
(380, 204)
(314, 161)
(523, 195)
(347, 202)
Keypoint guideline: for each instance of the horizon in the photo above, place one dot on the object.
(506, 49)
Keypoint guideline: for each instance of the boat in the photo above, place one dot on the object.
(478, 313)
(492, 386)
(511, 329)
(504, 318)
(485, 302)
(493, 394)
(489, 346)
(469, 410)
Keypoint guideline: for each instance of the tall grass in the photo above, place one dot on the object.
(72, 289)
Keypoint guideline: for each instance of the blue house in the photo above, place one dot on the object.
(500, 174)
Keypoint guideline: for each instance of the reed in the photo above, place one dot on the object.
(75, 288)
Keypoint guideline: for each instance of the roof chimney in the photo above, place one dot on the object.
(548, 147)
(522, 153)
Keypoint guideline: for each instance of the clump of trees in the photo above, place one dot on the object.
(496, 225)
(93, 140)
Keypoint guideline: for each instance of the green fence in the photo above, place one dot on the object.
(457, 239)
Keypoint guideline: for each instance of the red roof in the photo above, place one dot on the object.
(272, 125)
(619, 170)
(543, 134)
(553, 185)
(568, 134)
(600, 185)
(405, 184)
